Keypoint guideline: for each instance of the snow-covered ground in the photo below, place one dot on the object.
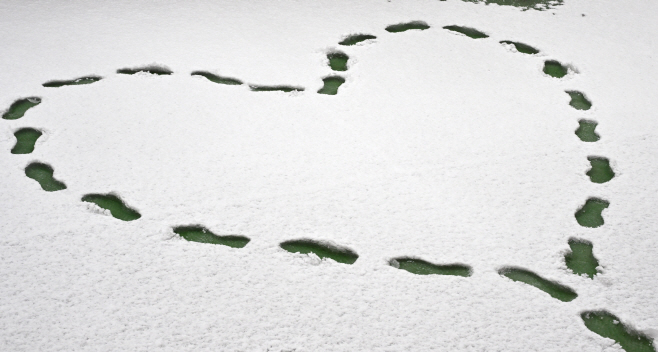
(438, 146)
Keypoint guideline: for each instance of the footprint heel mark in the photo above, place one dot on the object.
(520, 47)
(218, 79)
(286, 89)
(467, 31)
(72, 82)
(43, 173)
(586, 131)
(26, 138)
(608, 325)
(20, 107)
(581, 259)
(154, 70)
(338, 61)
(578, 100)
(197, 233)
(403, 27)
(555, 289)
(331, 85)
(356, 38)
(555, 69)
(590, 214)
(601, 172)
(322, 250)
(421, 267)
(114, 204)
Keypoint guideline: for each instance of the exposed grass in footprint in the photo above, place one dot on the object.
(601, 172)
(522, 48)
(286, 89)
(556, 290)
(555, 69)
(341, 255)
(586, 131)
(338, 61)
(402, 27)
(590, 213)
(579, 100)
(154, 70)
(581, 259)
(421, 267)
(25, 140)
(356, 38)
(217, 79)
(116, 206)
(540, 5)
(43, 174)
(331, 85)
(20, 107)
(73, 82)
(202, 235)
(608, 325)
(467, 31)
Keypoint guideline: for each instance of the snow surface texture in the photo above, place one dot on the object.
(438, 146)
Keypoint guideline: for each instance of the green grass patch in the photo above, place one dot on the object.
(154, 70)
(339, 254)
(590, 214)
(579, 100)
(403, 27)
(286, 89)
(556, 290)
(114, 204)
(601, 172)
(608, 325)
(555, 69)
(356, 38)
(43, 174)
(540, 5)
(421, 267)
(331, 85)
(467, 31)
(200, 234)
(338, 61)
(522, 48)
(20, 107)
(586, 131)
(73, 82)
(581, 258)
(218, 79)
(25, 140)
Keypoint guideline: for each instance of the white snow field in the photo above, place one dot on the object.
(438, 146)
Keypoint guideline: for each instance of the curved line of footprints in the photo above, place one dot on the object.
(580, 259)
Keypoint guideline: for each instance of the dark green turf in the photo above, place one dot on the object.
(73, 82)
(25, 140)
(586, 131)
(579, 100)
(116, 206)
(331, 85)
(202, 235)
(217, 79)
(338, 61)
(356, 38)
(286, 89)
(581, 258)
(540, 5)
(589, 215)
(468, 31)
(150, 69)
(555, 69)
(421, 267)
(341, 255)
(601, 172)
(522, 48)
(556, 290)
(402, 27)
(43, 174)
(20, 107)
(608, 325)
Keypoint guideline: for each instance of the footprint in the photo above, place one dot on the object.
(25, 140)
(286, 89)
(608, 325)
(556, 290)
(338, 61)
(581, 259)
(43, 174)
(601, 172)
(555, 69)
(421, 267)
(590, 213)
(217, 79)
(586, 131)
(116, 206)
(154, 70)
(331, 85)
(468, 31)
(356, 38)
(339, 254)
(73, 82)
(402, 27)
(19, 107)
(520, 47)
(578, 100)
(201, 234)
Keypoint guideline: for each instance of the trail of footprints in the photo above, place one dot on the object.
(580, 259)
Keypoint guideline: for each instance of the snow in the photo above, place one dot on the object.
(438, 146)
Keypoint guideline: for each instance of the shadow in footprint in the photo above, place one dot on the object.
(196, 233)
(601, 172)
(286, 89)
(356, 38)
(581, 258)
(467, 31)
(73, 82)
(520, 47)
(555, 69)
(114, 204)
(421, 267)
(217, 79)
(608, 325)
(25, 140)
(331, 85)
(589, 215)
(556, 290)
(338, 61)
(43, 174)
(154, 70)
(578, 100)
(586, 131)
(322, 250)
(20, 107)
(402, 27)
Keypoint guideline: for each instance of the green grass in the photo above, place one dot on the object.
(73, 82)
(421, 267)
(286, 89)
(20, 107)
(338, 61)
(467, 31)
(589, 215)
(341, 255)
(581, 258)
(202, 235)
(586, 131)
(579, 100)
(25, 140)
(356, 38)
(331, 85)
(601, 172)
(154, 70)
(556, 290)
(608, 325)
(522, 48)
(403, 27)
(540, 5)
(43, 174)
(555, 69)
(217, 79)
(116, 206)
